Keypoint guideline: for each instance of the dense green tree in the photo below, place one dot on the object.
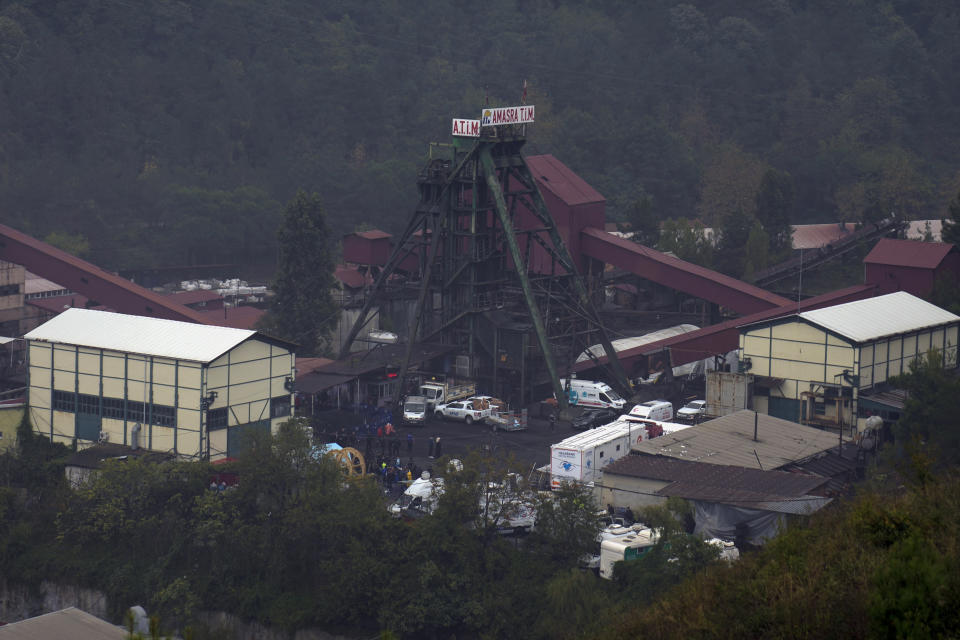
(688, 241)
(567, 524)
(643, 223)
(302, 309)
(950, 232)
(734, 234)
(775, 209)
(73, 243)
(757, 251)
(929, 427)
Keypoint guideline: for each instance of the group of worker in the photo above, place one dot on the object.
(395, 476)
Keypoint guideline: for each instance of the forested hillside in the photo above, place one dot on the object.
(170, 132)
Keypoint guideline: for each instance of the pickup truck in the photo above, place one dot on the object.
(465, 410)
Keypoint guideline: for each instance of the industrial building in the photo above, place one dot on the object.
(907, 265)
(812, 367)
(728, 501)
(163, 385)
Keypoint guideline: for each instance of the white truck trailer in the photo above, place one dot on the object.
(580, 458)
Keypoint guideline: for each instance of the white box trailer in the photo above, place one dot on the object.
(581, 457)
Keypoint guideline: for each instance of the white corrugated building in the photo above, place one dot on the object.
(813, 367)
(189, 389)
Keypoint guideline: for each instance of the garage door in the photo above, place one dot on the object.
(785, 408)
(240, 436)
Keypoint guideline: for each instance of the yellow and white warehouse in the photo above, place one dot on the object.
(812, 367)
(193, 390)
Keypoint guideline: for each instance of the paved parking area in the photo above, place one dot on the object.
(531, 447)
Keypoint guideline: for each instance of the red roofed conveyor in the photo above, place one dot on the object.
(676, 273)
(724, 337)
(106, 288)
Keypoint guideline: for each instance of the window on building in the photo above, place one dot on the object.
(136, 412)
(113, 408)
(217, 418)
(64, 401)
(87, 404)
(819, 408)
(163, 416)
(9, 289)
(279, 406)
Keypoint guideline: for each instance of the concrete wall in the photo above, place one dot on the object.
(627, 491)
(18, 602)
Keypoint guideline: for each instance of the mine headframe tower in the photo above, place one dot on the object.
(485, 246)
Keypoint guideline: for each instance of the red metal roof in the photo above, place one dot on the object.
(715, 482)
(909, 253)
(56, 304)
(244, 317)
(304, 366)
(372, 234)
(814, 236)
(556, 177)
(199, 295)
(83, 277)
(351, 277)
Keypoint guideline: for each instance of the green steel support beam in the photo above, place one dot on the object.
(621, 380)
(424, 285)
(395, 258)
(506, 223)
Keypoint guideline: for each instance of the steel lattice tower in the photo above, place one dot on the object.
(485, 241)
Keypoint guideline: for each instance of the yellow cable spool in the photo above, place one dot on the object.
(350, 461)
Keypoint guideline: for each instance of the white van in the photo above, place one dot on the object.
(596, 395)
(653, 410)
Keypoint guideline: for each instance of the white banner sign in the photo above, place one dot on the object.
(466, 128)
(507, 115)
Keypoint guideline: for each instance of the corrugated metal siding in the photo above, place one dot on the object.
(908, 253)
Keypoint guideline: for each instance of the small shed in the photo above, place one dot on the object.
(910, 265)
(81, 465)
(370, 248)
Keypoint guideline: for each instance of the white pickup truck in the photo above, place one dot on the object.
(469, 410)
